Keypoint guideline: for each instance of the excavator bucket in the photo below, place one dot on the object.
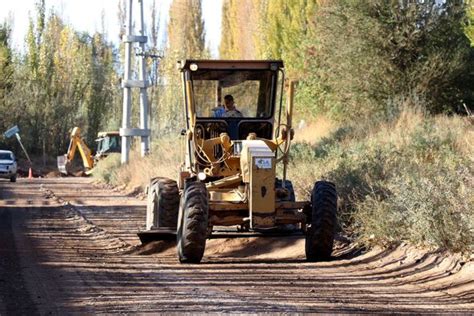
(63, 164)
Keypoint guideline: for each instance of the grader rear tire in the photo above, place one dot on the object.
(320, 235)
(167, 203)
(289, 186)
(163, 201)
(285, 228)
(193, 223)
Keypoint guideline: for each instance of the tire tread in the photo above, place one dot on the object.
(192, 231)
(320, 236)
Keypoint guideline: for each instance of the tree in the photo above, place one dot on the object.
(288, 25)
(6, 75)
(6, 56)
(186, 29)
(367, 56)
(242, 23)
(64, 79)
(185, 40)
(470, 22)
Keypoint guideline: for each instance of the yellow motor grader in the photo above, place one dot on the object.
(237, 133)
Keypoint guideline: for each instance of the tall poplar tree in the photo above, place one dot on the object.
(288, 25)
(6, 56)
(186, 39)
(241, 29)
(186, 29)
(469, 29)
(6, 75)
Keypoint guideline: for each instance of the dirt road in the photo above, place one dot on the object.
(68, 247)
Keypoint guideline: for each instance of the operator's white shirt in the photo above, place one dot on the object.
(233, 113)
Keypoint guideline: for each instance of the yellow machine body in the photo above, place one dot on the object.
(257, 162)
(236, 164)
(235, 135)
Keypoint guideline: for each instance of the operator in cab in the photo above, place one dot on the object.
(229, 109)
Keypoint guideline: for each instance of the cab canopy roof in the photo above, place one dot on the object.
(193, 64)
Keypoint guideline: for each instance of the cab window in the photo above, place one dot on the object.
(251, 91)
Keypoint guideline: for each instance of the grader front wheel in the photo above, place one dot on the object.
(193, 223)
(320, 235)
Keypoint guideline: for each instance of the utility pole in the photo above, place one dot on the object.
(127, 132)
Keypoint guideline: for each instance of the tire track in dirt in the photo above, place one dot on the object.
(86, 255)
(14, 297)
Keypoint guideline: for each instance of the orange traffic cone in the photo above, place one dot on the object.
(30, 174)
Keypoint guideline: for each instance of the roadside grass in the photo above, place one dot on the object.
(163, 161)
(312, 132)
(410, 179)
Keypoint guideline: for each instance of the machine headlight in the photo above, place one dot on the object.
(201, 176)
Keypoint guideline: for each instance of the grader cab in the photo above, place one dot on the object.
(237, 134)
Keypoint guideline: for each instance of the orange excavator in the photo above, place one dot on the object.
(107, 142)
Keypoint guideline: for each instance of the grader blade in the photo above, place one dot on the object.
(157, 234)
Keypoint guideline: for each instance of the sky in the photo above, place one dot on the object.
(85, 15)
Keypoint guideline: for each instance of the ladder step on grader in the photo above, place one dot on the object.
(237, 136)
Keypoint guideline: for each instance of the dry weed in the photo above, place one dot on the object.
(163, 161)
(312, 132)
(407, 180)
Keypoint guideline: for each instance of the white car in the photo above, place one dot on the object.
(8, 166)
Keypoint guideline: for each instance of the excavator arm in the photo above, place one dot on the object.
(64, 161)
